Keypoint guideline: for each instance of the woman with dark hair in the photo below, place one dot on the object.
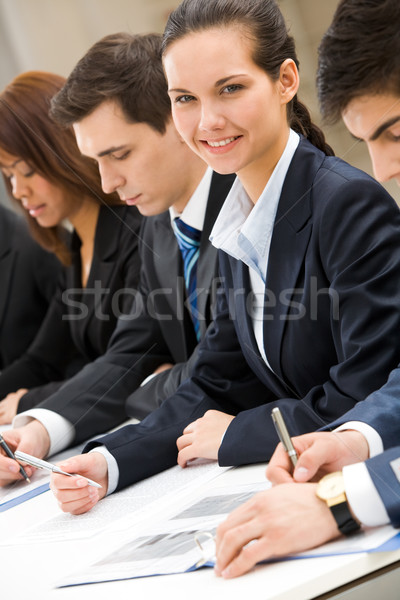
(309, 248)
(45, 172)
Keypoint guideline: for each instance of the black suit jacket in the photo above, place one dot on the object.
(331, 323)
(80, 321)
(28, 280)
(157, 330)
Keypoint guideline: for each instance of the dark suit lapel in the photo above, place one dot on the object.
(168, 267)
(103, 262)
(167, 260)
(207, 263)
(291, 235)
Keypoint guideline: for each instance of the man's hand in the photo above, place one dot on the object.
(319, 453)
(32, 439)
(285, 519)
(9, 406)
(74, 494)
(202, 438)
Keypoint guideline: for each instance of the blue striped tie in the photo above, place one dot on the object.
(188, 239)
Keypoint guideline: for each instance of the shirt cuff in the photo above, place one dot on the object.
(61, 431)
(364, 500)
(373, 438)
(113, 471)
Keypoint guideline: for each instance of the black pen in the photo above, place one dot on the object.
(10, 454)
(283, 434)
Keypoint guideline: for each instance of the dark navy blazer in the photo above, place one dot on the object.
(384, 470)
(331, 323)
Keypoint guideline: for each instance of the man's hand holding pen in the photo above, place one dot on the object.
(319, 453)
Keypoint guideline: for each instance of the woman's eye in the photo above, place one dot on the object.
(230, 89)
(28, 173)
(183, 99)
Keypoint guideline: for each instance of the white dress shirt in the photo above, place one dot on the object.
(244, 230)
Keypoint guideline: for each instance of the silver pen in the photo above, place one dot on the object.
(42, 464)
(283, 434)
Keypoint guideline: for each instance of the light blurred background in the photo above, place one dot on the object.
(52, 35)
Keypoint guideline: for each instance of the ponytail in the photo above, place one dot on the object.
(300, 121)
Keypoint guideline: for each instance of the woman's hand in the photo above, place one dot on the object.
(74, 494)
(202, 438)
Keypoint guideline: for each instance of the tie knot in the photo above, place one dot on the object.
(187, 235)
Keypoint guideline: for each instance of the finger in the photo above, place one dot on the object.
(311, 460)
(10, 468)
(73, 495)
(184, 441)
(78, 507)
(280, 467)
(245, 560)
(82, 464)
(233, 541)
(186, 454)
(189, 428)
(62, 482)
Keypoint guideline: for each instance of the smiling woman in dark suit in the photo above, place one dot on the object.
(44, 170)
(24, 265)
(309, 316)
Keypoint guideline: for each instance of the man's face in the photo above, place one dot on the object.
(145, 167)
(375, 119)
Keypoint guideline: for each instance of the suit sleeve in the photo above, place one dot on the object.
(384, 471)
(94, 399)
(380, 410)
(153, 441)
(47, 357)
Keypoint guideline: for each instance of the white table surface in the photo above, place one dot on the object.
(30, 570)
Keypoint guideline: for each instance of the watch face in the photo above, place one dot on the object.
(330, 486)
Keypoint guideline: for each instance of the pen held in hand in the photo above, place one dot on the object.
(283, 434)
(10, 454)
(43, 464)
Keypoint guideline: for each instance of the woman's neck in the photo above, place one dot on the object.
(84, 222)
(255, 176)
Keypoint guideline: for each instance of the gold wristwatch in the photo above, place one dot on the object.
(331, 489)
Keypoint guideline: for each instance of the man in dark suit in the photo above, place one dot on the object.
(28, 280)
(124, 123)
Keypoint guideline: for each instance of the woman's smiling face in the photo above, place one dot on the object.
(226, 108)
